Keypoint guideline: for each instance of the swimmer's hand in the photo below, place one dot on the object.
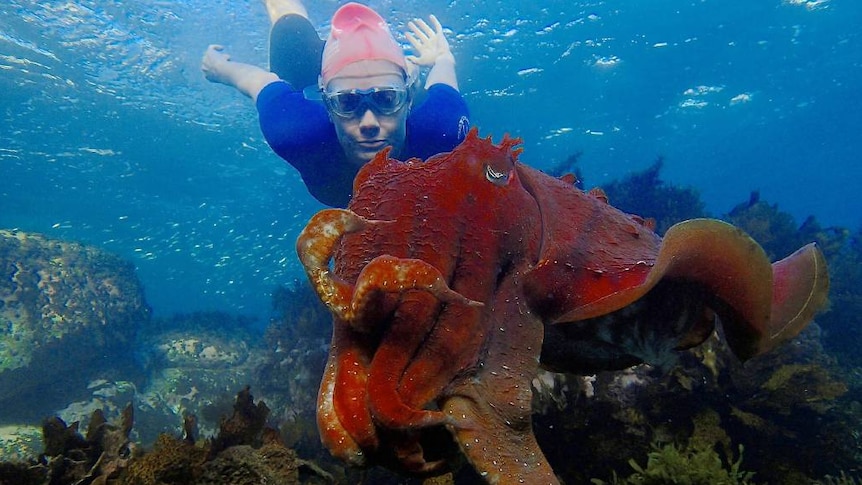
(248, 79)
(213, 64)
(429, 43)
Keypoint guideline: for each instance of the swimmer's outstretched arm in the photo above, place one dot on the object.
(248, 79)
(432, 49)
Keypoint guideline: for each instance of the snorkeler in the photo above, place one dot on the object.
(368, 88)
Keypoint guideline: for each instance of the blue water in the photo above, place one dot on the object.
(111, 136)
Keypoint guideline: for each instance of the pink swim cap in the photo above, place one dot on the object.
(358, 33)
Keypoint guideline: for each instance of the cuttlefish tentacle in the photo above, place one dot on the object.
(345, 425)
(345, 432)
(388, 274)
(400, 275)
(316, 245)
(343, 400)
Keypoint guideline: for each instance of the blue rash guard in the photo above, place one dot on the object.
(299, 131)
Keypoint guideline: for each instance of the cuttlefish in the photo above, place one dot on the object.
(452, 280)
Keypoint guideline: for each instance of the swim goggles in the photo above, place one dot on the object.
(348, 103)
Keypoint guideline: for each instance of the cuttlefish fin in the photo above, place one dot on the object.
(760, 305)
(800, 289)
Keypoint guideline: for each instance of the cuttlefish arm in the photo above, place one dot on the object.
(345, 422)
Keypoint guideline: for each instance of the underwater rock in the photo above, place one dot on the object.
(189, 342)
(68, 312)
(109, 398)
(18, 443)
(555, 391)
(194, 364)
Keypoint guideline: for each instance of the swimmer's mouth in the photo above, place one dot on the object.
(375, 144)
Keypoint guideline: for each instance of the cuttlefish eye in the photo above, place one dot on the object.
(495, 177)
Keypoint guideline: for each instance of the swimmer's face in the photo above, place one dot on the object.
(368, 103)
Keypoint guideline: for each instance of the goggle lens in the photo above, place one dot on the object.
(385, 101)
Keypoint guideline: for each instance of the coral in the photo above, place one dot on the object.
(245, 451)
(245, 465)
(689, 465)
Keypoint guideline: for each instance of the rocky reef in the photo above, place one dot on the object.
(794, 399)
(243, 452)
(194, 364)
(842, 325)
(779, 234)
(296, 349)
(67, 313)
